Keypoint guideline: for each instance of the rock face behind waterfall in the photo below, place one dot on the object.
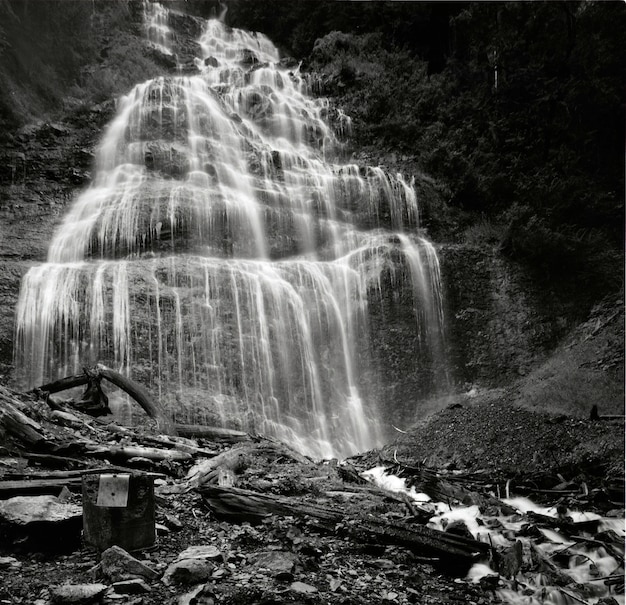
(224, 257)
(170, 278)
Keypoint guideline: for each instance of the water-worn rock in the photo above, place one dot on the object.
(9, 563)
(276, 561)
(117, 565)
(302, 588)
(23, 510)
(200, 552)
(41, 523)
(188, 571)
(136, 586)
(77, 594)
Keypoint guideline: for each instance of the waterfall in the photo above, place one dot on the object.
(223, 257)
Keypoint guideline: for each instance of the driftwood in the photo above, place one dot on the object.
(17, 424)
(223, 468)
(131, 451)
(239, 505)
(564, 524)
(178, 443)
(37, 487)
(212, 433)
(92, 378)
(52, 461)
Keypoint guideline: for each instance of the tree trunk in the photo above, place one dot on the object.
(135, 390)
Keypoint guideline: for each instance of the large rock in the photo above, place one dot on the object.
(277, 561)
(117, 565)
(22, 510)
(77, 594)
(40, 523)
(188, 571)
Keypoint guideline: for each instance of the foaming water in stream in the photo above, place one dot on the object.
(226, 259)
(586, 564)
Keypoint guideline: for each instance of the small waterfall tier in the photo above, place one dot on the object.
(225, 258)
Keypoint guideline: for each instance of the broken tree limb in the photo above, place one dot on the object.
(18, 424)
(63, 384)
(142, 397)
(213, 433)
(178, 443)
(132, 388)
(37, 487)
(244, 505)
(130, 451)
(446, 487)
(564, 524)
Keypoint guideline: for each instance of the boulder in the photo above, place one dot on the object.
(41, 523)
(188, 571)
(23, 510)
(117, 565)
(77, 594)
(277, 561)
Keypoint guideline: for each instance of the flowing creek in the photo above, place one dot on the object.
(586, 565)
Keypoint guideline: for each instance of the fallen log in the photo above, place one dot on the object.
(178, 443)
(564, 524)
(52, 461)
(135, 390)
(141, 396)
(38, 487)
(238, 505)
(130, 451)
(214, 433)
(18, 424)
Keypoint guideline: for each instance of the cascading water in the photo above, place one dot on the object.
(222, 259)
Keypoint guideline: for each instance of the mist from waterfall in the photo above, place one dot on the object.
(223, 257)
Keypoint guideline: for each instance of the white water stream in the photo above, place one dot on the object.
(588, 564)
(222, 258)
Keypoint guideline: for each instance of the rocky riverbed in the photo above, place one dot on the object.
(205, 552)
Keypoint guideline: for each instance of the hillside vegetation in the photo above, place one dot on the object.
(516, 109)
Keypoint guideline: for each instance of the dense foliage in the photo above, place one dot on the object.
(517, 108)
(55, 55)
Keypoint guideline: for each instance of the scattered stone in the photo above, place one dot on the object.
(200, 595)
(135, 586)
(117, 565)
(200, 552)
(188, 571)
(383, 563)
(276, 561)
(172, 522)
(77, 594)
(302, 588)
(9, 562)
(459, 528)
